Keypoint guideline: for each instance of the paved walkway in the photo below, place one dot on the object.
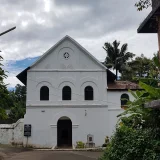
(54, 155)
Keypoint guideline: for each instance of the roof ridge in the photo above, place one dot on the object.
(76, 43)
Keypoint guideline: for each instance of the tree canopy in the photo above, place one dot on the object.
(14, 101)
(4, 96)
(141, 67)
(117, 57)
(17, 104)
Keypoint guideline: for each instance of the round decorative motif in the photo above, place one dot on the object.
(66, 55)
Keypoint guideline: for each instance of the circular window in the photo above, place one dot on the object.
(66, 55)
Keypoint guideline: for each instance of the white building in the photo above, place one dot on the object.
(68, 97)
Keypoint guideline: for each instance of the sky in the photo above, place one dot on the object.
(41, 23)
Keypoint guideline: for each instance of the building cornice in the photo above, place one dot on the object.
(115, 109)
(66, 70)
(55, 125)
(35, 106)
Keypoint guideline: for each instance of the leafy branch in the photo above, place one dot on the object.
(143, 4)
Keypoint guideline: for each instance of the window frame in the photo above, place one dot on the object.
(88, 97)
(44, 96)
(65, 96)
(124, 102)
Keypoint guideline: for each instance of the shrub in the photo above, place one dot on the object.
(80, 144)
(130, 144)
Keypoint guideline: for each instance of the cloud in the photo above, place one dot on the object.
(13, 68)
(41, 23)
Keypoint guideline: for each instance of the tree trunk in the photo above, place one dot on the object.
(116, 74)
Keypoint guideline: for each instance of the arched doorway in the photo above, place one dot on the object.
(64, 132)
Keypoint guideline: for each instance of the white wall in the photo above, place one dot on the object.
(12, 133)
(79, 71)
(114, 98)
(78, 59)
(44, 124)
(57, 80)
(114, 107)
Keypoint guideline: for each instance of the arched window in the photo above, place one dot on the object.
(88, 93)
(124, 99)
(44, 93)
(66, 93)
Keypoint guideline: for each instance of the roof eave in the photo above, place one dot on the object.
(76, 43)
(149, 25)
(111, 77)
(23, 76)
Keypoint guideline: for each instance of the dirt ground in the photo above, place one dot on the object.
(8, 151)
(11, 153)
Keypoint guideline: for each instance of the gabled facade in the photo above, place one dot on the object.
(67, 97)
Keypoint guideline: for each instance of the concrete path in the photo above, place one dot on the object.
(54, 155)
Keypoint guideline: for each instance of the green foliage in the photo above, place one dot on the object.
(116, 57)
(19, 95)
(3, 115)
(3, 93)
(2, 75)
(140, 67)
(156, 60)
(17, 103)
(4, 98)
(80, 144)
(11, 100)
(130, 144)
(143, 4)
(137, 135)
(20, 92)
(156, 70)
(16, 112)
(150, 81)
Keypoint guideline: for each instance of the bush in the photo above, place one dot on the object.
(137, 135)
(80, 144)
(130, 144)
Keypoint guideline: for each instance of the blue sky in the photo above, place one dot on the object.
(22, 64)
(15, 67)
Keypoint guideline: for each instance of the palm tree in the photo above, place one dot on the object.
(117, 58)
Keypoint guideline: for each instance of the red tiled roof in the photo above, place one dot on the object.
(123, 85)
